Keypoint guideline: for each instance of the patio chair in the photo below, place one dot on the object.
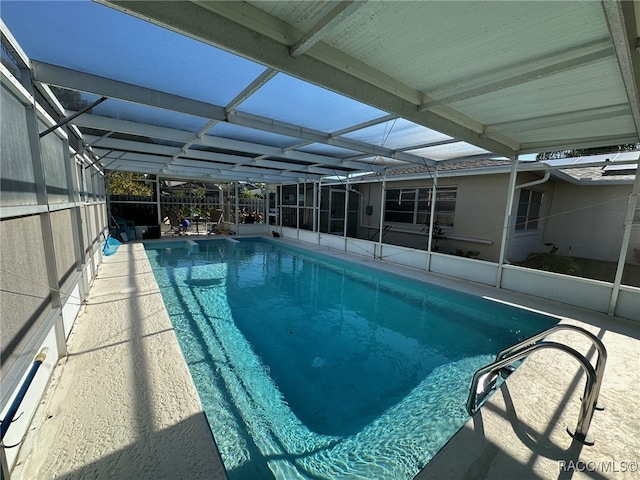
(215, 217)
(125, 229)
(175, 224)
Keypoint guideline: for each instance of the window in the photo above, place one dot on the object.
(413, 206)
(528, 210)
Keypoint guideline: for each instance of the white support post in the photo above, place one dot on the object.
(383, 201)
(265, 205)
(298, 209)
(432, 215)
(45, 218)
(76, 223)
(346, 213)
(84, 226)
(158, 206)
(279, 207)
(316, 195)
(237, 205)
(507, 219)
(628, 225)
(319, 212)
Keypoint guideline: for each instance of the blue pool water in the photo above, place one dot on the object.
(313, 368)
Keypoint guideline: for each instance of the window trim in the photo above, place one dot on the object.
(531, 221)
(417, 199)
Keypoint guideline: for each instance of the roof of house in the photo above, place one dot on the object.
(617, 168)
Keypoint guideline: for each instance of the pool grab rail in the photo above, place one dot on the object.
(602, 351)
(597, 343)
(489, 373)
(11, 413)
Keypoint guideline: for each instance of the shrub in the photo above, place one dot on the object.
(552, 262)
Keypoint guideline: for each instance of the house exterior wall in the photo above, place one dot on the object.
(480, 209)
(588, 221)
(521, 243)
(479, 213)
(479, 217)
(581, 220)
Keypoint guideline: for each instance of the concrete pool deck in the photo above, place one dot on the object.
(123, 405)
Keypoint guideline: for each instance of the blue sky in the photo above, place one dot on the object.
(90, 37)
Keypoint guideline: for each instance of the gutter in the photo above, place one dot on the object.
(544, 178)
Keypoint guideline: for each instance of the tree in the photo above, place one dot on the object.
(70, 99)
(582, 152)
(128, 183)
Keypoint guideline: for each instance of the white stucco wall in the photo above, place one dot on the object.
(521, 243)
(581, 220)
(588, 221)
(480, 209)
(479, 215)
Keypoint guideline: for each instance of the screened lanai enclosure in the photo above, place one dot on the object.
(453, 137)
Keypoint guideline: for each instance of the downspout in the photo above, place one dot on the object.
(507, 219)
(626, 236)
(546, 176)
(432, 214)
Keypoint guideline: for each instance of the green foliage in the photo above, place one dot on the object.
(246, 194)
(128, 183)
(586, 151)
(467, 254)
(437, 234)
(70, 99)
(552, 262)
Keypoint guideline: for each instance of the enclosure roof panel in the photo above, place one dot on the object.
(261, 87)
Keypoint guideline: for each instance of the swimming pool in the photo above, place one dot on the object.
(312, 367)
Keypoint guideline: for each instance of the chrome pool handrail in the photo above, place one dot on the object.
(589, 397)
(597, 343)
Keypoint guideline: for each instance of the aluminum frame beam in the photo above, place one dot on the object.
(253, 87)
(521, 73)
(266, 42)
(558, 120)
(324, 26)
(623, 31)
(71, 79)
(201, 166)
(180, 136)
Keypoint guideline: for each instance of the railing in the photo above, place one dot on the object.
(602, 351)
(489, 373)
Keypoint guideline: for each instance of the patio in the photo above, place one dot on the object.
(150, 424)
(326, 105)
